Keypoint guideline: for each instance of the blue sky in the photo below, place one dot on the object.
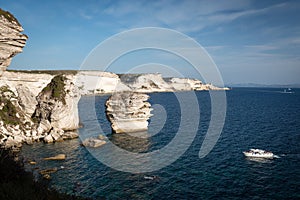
(250, 41)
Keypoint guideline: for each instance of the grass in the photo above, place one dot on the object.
(17, 184)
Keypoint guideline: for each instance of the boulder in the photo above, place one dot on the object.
(10, 143)
(56, 134)
(19, 139)
(48, 139)
(70, 135)
(29, 140)
(101, 137)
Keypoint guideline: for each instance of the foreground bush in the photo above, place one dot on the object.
(16, 183)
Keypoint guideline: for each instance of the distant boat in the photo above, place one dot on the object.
(288, 91)
(151, 177)
(258, 153)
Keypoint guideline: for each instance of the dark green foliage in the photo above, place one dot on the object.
(56, 89)
(16, 183)
(8, 16)
(8, 111)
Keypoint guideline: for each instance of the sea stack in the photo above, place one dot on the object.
(128, 112)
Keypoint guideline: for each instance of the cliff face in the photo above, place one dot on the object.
(43, 107)
(12, 40)
(146, 83)
(97, 82)
(93, 82)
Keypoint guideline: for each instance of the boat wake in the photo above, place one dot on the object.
(275, 156)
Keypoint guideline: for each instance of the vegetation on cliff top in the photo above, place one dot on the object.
(56, 89)
(8, 112)
(8, 16)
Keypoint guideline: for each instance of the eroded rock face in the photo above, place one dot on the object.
(57, 104)
(26, 116)
(128, 112)
(15, 125)
(12, 40)
(56, 110)
(146, 83)
(98, 82)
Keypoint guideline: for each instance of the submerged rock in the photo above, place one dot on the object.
(47, 176)
(128, 112)
(48, 171)
(70, 135)
(93, 142)
(57, 157)
(32, 162)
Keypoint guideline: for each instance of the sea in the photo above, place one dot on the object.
(264, 118)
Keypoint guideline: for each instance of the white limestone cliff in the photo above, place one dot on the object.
(55, 118)
(187, 84)
(128, 112)
(12, 40)
(146, 83)
(30, 111)
(98, 82)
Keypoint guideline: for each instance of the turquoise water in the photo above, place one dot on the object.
(256, 118)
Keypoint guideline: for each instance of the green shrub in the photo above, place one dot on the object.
(16, 183)
(56, 88)
(8, 111)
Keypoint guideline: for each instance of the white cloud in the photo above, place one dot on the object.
(186, 16)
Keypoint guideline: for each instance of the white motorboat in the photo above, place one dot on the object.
(258, 153)
(288, 91)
